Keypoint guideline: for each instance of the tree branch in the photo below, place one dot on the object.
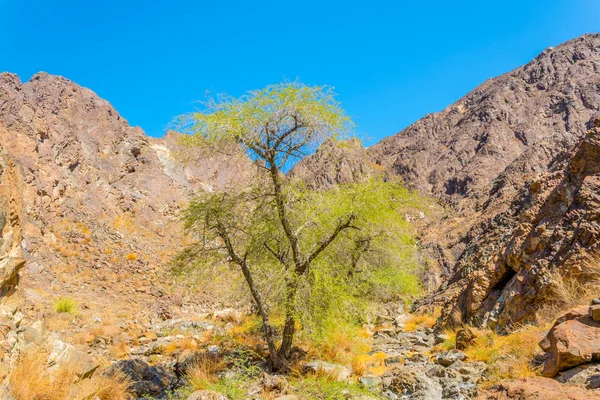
(277, 255)
(322, 245)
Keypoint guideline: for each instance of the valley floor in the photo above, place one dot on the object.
(221, 356)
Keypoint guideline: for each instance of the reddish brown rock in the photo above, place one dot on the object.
(465, 338)
(573, 340)
(594, 312)
(538, 389)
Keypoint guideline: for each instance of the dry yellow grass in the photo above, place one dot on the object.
(131, 256)
(245, 324)
(339, 344)
(449, 343)
(58, 321)
(571, 288)
(124, 224)
(419, 321)
(204, 371)
(115, 386)
(187, 343)
(119, 350)
(509, 356)
(374, 364)
(31, 379)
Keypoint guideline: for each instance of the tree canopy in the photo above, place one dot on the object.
(279, 123)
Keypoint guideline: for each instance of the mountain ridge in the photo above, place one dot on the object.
(477, 155)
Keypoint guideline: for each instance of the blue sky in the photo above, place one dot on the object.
(391, 62)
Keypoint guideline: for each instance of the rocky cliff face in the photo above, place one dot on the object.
(508, 272)
(496, 156)
(100, 198)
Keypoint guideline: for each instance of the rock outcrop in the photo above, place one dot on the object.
(92, 203)
(11, 221)
(550, 232)
(537, 389)
(573, 340)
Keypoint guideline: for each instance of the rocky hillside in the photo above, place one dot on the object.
(486, 155)
(100, 201)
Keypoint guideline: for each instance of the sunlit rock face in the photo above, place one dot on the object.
(11, 220)
(95, 205)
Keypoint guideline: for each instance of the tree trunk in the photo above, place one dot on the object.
(276, 360)
(290, 321)
(288, 338)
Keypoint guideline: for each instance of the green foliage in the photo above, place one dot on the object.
(66, 305)
(243, 372)
(290, 117)
(375, 261)
(324, 388)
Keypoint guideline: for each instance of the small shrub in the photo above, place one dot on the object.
(66, 305)
(339, 343)
(203, 372)
(31, 379)
(450, 342)
(420, 321)
(132, 256)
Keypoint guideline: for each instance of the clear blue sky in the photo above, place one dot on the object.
(391, 62)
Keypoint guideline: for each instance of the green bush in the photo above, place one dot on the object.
(66, 305)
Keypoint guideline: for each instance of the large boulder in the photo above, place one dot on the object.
(573, 340)
(146, 380)
(538, 389)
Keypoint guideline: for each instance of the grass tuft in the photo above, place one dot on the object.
(203, 373)
(32, 379)
(509, 356)
(66, 305)
(419, 321)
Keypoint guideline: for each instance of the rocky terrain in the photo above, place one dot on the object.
(91, 204)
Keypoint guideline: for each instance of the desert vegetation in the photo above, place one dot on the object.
(33, 379)
(314, 257)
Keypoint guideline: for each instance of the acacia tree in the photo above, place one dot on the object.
(275, 224)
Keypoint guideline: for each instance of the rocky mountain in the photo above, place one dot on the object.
(92, 202)
(89, 206)
(501, 157)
